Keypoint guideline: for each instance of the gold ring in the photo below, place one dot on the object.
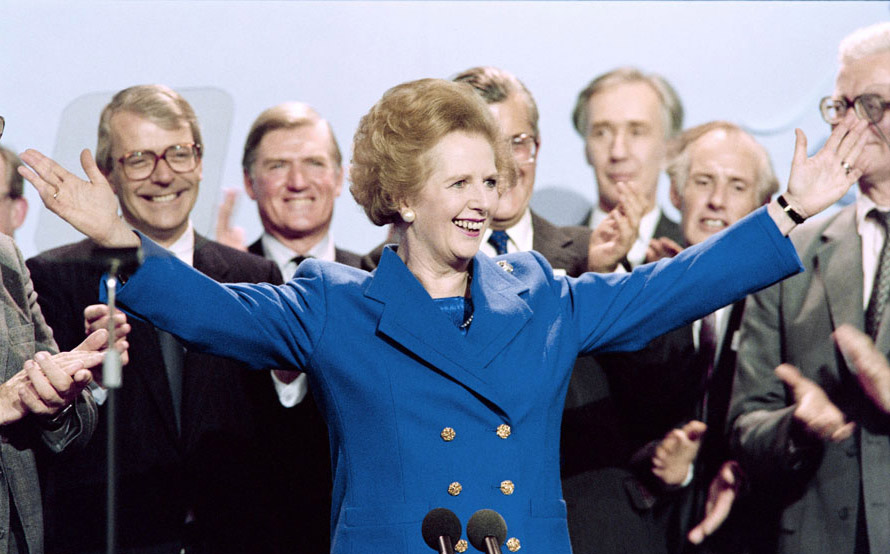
(847, 167)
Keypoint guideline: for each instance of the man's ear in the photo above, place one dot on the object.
(676, 198)
(19, 212)
(338, 181)
(248, 185)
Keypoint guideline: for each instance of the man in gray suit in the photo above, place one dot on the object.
(813, 438)
(43, 401)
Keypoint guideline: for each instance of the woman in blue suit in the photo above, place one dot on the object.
(443, 373)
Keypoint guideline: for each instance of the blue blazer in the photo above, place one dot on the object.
(421, 416)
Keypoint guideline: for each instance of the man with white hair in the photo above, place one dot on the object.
(807, 431)
(719, 174)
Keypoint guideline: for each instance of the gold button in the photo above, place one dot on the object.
(513, 544)
(507, 487)
(461, 546)
(455, 488)
(447, 434)
(504, 430)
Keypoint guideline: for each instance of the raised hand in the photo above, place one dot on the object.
(614, 236)
(870, 365)
(662, 247)
(816, 414)
(675, 453)
(90, 206)
(819, 181)
(225, 233)
(722, 493)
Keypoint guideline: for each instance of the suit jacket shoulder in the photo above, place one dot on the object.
(256, 247)
(346, 257)
(229, 265)
(668, 228)
(563, 247)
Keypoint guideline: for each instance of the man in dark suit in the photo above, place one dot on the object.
(293, 169)
(192, 462)
(626, 118)
(620, 498)
(792, 429)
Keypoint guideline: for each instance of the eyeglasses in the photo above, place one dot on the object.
(142, 163)
(2, 125)
(524, 148)
(868, 106)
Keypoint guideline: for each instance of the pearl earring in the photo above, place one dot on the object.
(408, 215)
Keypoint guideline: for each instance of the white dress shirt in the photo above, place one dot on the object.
(291, 394)
(521, 237)
(872, 235)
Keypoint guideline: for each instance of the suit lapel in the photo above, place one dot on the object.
(412, 319)
(838, 262)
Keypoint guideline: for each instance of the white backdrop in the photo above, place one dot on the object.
(763, 65)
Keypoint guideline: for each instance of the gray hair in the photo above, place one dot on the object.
(672, 108)
(678, 157)
(496, 85)
(864, 42)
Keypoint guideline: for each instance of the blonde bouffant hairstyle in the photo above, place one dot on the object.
(389, 161)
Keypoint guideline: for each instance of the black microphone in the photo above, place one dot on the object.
(441, 529)
(116, 260)
(487, 531)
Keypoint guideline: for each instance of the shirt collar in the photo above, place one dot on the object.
(184, 247)
(521, 234)
(282, 254)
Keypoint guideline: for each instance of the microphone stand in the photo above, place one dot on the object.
(111, 380)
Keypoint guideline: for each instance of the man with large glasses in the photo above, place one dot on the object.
(190, 448)
(807, 432)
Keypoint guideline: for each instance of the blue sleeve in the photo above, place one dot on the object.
(260, 325)
(623, 312)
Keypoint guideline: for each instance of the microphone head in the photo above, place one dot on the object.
(486, 523)
(440, 522)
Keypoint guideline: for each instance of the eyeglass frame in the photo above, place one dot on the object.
(520, 140)
(196, 156)
(2, 125)
(857, 105)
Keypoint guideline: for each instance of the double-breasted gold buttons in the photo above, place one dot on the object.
(507, 487)
(513, 544)
(461, 546)
(448, 434)
(504, 430)
(455, 488)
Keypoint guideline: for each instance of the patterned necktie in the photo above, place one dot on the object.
(707, 352)
(499, 239)
(881, 288)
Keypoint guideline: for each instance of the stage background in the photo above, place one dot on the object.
(762, 65)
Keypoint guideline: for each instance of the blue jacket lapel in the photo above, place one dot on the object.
(412, 319)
